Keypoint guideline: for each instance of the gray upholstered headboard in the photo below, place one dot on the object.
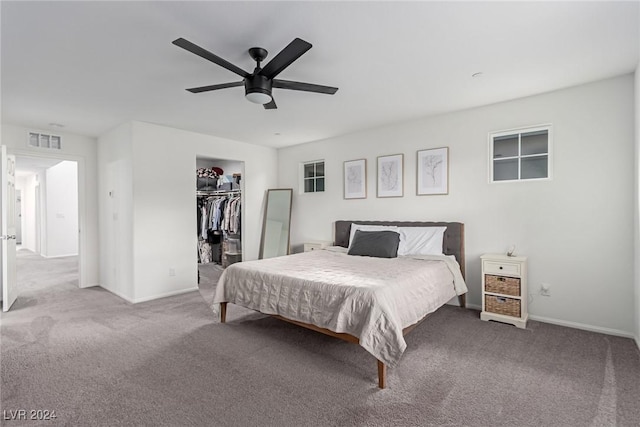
(452, 244)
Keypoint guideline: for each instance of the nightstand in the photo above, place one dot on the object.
(314, 246)
(504, 289)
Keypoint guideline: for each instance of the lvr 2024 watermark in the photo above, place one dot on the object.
(28, 414)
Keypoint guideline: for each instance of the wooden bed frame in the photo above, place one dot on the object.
(453, 244)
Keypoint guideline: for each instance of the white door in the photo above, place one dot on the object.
(8, 228)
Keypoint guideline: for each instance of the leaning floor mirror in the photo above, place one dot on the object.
(277, 224)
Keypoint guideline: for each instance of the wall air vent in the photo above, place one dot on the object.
(41, 140)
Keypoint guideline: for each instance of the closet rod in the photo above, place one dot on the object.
(216, 192)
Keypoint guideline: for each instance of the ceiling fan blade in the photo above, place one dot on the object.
(271, 105)
(307, 87)
(214, 87)
(282, 60)
(193, 48)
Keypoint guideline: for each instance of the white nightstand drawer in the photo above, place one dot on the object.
(315, 246)
(494, 267)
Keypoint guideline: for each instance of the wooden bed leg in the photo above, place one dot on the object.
(463, 300)
(223, 312)
(382, 375)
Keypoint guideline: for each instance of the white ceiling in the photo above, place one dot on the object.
(26, 166)
(94, 65)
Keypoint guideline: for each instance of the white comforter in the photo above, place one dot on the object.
(370, 298)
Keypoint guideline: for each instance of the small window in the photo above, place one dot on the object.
(313, 176)
(521, 154)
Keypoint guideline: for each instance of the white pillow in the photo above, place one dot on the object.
(361, 227)
(421, 240)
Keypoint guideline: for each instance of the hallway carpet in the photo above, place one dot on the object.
(97, 360)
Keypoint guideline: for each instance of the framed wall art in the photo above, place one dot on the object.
(390, 179)
(355, 179)
(433, 171)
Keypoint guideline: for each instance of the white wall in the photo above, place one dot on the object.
(30, 216)
(115, 198)
(165, 203)
(26, 184)
(61, 207)
(637, 203)
(574, 228)
(33, 211)
(158, 165)
(21, 183)
(83, 150)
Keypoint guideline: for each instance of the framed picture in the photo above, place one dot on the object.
(390, 182)
(355, 179)
(433, 171)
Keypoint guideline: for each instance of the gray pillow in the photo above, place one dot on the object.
(380, 244)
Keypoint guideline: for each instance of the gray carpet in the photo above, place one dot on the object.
(97, 360)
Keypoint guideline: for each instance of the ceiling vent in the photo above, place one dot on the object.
(42, 140)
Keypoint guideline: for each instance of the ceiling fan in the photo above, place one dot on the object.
(258, 85)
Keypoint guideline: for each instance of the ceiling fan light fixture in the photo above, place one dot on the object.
(258, 97)
(257, 89)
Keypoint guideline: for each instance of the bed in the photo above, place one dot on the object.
(368, 300)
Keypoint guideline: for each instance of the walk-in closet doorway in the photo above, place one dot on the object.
(219, 223)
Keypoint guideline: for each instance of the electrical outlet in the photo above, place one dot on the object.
(545, 289)
(172, 272)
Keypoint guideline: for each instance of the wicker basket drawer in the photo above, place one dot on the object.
(502, 305)
(502, 285)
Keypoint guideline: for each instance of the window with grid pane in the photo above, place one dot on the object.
(521, 154)
(313, 176)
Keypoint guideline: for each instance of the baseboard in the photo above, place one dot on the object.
(58, 256)
(92, 285)
(151, 298)
(118, 294)
(165, 295)
(583, 326)
(638, 342)
(574, 325)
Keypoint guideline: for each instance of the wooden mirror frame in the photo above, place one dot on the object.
(266, 217)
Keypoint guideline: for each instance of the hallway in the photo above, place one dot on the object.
(38, 273)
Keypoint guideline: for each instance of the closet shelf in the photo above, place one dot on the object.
(216, 192)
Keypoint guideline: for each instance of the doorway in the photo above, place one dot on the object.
(48, 214)
(219, 200)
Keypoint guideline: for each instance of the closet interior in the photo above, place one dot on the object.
(219, 211)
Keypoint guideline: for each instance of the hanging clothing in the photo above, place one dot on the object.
(218, 217)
